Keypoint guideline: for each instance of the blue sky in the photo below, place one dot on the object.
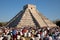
(49, 8)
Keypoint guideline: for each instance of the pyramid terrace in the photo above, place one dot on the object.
(30, 17)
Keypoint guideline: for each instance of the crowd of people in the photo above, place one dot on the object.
(31, 33)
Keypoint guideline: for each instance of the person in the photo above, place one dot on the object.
(23, 38)
(50, 38)
(43, 35)
(21, 33)
(9, 36)
(14, 33)
(24, 31)
(58, 38)
(32, 38)
(5, 36)
(29, 34)
(37, 38)
(1, 37)
(45, 38)
(33, 31)
(18, 36)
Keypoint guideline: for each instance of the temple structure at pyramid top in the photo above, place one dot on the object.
(30, 17)
(29, 6)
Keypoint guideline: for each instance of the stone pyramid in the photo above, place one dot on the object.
(30, 17)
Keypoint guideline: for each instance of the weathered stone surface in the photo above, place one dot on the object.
(30, 16)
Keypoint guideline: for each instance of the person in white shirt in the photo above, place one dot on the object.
(58, 38)
(23, 38)
(50, 38)
(21, 33)
(39, 36)
(18, 35)
(1, 37)
(29, 34)
(9, 37)
(25, 34)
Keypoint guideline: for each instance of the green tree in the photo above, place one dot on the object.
(0, 24)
